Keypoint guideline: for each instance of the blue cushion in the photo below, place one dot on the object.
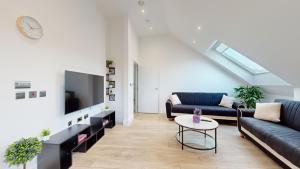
(206, 110)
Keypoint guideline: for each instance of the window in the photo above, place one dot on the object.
(239, 59)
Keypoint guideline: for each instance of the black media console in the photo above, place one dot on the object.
(57, 152)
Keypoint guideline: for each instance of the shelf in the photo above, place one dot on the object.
(57, 152)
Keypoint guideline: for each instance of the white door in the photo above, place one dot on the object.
(148, 94)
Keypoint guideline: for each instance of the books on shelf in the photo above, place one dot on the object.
(105, 122)
(81, 138)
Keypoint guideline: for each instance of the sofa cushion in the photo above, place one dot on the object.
(227, 101)
(268, 111)
(206, 110)
(290, 113)
(284, 140)
(182, 108)
(218, 111)
(174, 99)
(206, 99)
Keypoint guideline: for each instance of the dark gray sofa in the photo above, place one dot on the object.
(279, 140)
(207, 102)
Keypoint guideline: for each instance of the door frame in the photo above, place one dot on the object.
(135, 87)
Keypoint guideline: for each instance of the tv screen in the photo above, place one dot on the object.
(82, 90)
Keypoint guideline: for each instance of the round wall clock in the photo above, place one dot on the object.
(29, 27)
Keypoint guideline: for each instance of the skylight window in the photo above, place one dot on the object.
(239, 59)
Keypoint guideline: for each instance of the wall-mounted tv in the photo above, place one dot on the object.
(82, 90)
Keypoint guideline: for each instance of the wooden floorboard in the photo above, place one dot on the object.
(150, 143)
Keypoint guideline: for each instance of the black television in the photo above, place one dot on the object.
(82, 90)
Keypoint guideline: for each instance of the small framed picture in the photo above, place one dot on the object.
(107, 77)
(112, 97)
(112, 70)
(107, 91)
(112, 84)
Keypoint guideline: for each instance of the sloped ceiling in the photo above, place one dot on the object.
(266, 31)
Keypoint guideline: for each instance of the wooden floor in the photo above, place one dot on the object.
(150, 143)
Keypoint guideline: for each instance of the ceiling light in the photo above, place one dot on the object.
(143, 11)
(151, 28)
(141, 3)
(199, 27)
(194, 41)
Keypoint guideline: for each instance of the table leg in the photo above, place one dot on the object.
(179, 130)
(182, 138)
(216, 141)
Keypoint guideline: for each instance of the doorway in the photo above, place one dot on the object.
(148, 81)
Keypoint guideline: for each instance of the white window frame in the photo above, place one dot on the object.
(221, 49)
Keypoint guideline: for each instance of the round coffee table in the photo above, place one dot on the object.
(194, 135)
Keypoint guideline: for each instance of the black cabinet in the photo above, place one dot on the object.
(108, 118)
(57, 152)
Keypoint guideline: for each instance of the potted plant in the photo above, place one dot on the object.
(109, 62)
(249, 95)
(45, 134)
(22, 151)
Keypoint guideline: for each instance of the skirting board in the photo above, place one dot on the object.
(210, 116)
(264, 145)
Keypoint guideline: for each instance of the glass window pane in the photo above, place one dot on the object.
(240, 59)
(221, 47)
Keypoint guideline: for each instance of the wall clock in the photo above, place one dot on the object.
(29, 27)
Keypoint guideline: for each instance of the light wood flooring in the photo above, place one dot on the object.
(150, 143)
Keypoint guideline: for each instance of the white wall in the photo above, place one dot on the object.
(74, 39)
(297, 94)
(122, 48)
(181, 69)
(277, 92)
(129, 67)
(116, 51)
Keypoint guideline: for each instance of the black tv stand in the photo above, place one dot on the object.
(108, 118)
(57, 152)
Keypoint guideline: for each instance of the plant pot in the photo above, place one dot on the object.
(45, 138)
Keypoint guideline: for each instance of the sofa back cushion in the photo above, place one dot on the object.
(290, 113)
(205, 99)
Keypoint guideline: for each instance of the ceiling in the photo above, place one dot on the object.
(266, 31)
(154, 15)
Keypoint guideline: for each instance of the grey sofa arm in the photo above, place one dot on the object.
(169, 106)
(237, 105)
(243, 112)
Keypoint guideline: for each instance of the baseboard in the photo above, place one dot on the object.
(269, 149)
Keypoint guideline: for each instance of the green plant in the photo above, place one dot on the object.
(109, 62)
(45, 132)
(22, 151)
(249, 95)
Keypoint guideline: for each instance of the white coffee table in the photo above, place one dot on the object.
(194, 135)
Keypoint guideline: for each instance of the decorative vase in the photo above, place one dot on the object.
(197, 115)
(196, 118)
